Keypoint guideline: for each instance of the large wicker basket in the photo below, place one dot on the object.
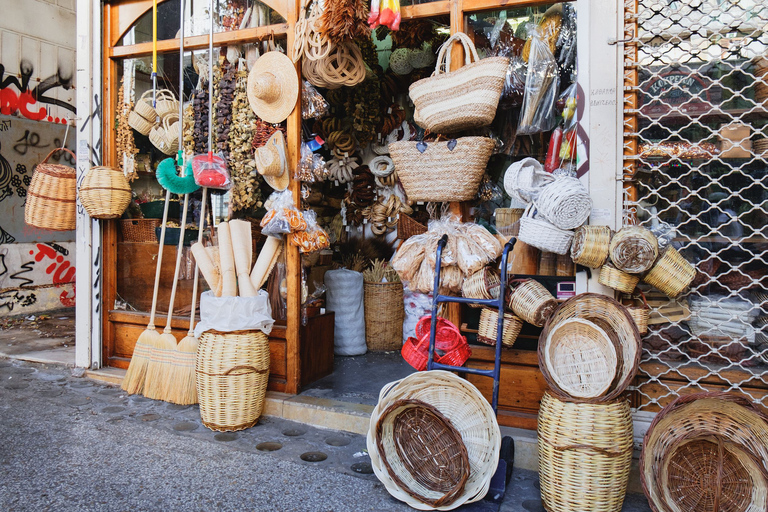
(532, 302)
(483, 284)
(672, 274)
(590, 246)
(614, 278)
(384, 315)
(488, 328)
(706, 451)
(139, 230)
(52, 196)
(585, 451)
(633, 249)
(105, 193)
(441, 171)
(232, 373)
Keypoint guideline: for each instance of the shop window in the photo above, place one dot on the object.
(696, 142)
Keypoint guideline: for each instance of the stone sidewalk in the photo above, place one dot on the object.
(74, 444)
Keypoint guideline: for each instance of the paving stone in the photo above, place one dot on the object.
(185, 426)
(77, 401)
(113, 409)
(225, 437)
(149, 417)
(19, 370)
(16, 385)
(110, 391)
(51, 377)
(533, 506)
(177, 407)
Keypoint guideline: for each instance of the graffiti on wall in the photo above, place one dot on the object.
(16, 97)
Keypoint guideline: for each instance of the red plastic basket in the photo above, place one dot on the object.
(450, 346)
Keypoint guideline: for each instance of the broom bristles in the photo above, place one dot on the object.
(158, 369)
(133, 382)
(183, 381)
(169, 180)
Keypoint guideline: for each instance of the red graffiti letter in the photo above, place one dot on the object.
(9, 102)
(26, 99)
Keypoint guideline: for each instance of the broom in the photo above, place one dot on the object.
(133, 382)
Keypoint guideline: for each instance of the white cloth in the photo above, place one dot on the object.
(227, 314)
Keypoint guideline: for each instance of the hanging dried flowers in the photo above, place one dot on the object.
(344, 20)
(246, 192)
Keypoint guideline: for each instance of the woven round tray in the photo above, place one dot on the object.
(672, 274)
(590, 246)
(422, 452)
(614, 278)
(489, 325)
(585, 452)
(532, 302)
(614, 320)
(706, 451)
(633, 249)
(469, 413)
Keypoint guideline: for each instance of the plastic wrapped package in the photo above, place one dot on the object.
(488, 243)
(469, 255)
(407, 260)
(313, 105)
(282, 216)
(416, 305)
(313, 238)
(541, 85)
(227, 314)
(305, 168)
(211, 171)
(344, 296)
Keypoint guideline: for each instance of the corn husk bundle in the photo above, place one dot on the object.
(245, 191)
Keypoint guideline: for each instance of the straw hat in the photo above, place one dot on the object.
(272, 163)
(273, 87)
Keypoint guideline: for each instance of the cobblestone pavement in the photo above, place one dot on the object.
(70, 443)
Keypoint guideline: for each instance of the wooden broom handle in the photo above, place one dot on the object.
(179, 250)
(151, 324)
(195, 275)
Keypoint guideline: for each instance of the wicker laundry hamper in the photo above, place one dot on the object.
(232, 373)
(384, 315)
(105, 193)
(52, 196)
(585, 451)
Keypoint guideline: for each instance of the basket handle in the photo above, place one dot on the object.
(245, 367)
(165, 94)
(444, 53)
(58, 149)
(166, 121)
(145, 93)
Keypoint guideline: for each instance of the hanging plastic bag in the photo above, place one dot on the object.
(282, 216)
(312, 239)
(211, 171)
(541, 85)
(313, 105)
(305, 169)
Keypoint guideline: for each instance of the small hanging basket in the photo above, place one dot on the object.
(160, 138)
(542, 234)
(105, 193)
(634, 249)
(639, 313)
(139, 124)
(532, 302)
(488, 328)
(672, 274)
(590, 246)
(564, 202)
(143, 107)
(483, 284)
(171, 128)
(166, 104)
(52, 196)
(614, 278)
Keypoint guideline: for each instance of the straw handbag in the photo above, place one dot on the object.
(166, 103)
(144, 107)
(105, 193)
(442, 171)
(52, 196)
(457, 100)
(140, 124)
(565, 202)
(162, 138)
(542, 234)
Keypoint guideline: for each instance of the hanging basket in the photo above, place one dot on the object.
(633, 249)
(532, 302)
(639, 313)
(232, 373)
(488, 328)
(672, 274)
(585, 454)
(166, 104)
(139, 230)
(52, 196)
(408, 227)
(542, 234)
(706, 451)
(384, 315)
(105, 193)
(483, 284)
(565, 202)
(139, 124)
(171, 129)
(590, 246)
(144, 108)
(447, 102)
(158, 136)
(441, 171)
(614, 278)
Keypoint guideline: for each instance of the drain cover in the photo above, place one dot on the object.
(337, 441)
(185, 426)
(112, 410)
(269, 447)
(364, 468)
(313, 456)
(225, 437)
(294, 432)
(149, 417)
(16, 385)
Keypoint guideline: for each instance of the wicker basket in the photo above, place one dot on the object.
(139, 124)
(614, 278)
(565, 202)
(166, 104)
(706, 451)
(469, 413)
(384, 315)
(408, 227)
(144, 108)
(672, 274)
(580, 357)
(159, 138)
(483, 284)
(443, 171)
(52, 196)
(639, 313)
(105, 193)
(449, 101)
(585, 452)
(507, 220)
(633, 249)
(532, 302)
(171, 128)
(489, 326)
(614, 320)
(139, 230)
(422, 452)
(590, 246)
(232, 373)
(524, 179)
(542, 234)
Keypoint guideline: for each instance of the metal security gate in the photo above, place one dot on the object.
(696, 172)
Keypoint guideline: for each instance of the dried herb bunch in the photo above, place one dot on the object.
(189, 128)
(200, 131)
(363, 105)
(344, 20)
(246, 192)
(225, 97)
(379, 271)
(124, 135)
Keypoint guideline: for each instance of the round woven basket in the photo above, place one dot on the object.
(532, 302)
(139, 124)
(105, 193)
(672, 274)
(639, 313)
(585, 452)
(580, 357)
(469, 413)
(52, 196)
(384, 315)
(483, 284)
(232, 373)
(143, 107)
(613, 319)
(422, 452)
(633, 249)
(614, 278)
(542, 234)
(489, 325)
(166, 104)
(564, 202)
(706, 451)
(590, 246)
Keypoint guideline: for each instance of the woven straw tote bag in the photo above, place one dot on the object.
(449, 101)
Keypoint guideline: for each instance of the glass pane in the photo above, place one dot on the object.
(229, 15)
